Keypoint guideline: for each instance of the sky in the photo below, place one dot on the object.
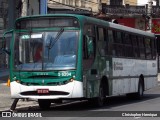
(143, 2)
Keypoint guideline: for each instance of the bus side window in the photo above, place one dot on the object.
(88, 46)
(128, 49)
(102, 41)
(153, 45)
(118, 46)
(141, 47)
(148, 48)
(88, 51)
(135, 46)
(111, 49)
(100, 34)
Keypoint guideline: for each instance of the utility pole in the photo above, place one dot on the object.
(99, 6)
(149, 14)
(11, 14)
(157, 3)
(24, 7)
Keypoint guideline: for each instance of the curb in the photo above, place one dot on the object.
(20, 106)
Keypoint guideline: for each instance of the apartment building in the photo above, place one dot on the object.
(62, 5)
(3, 24)
(120, 2)
(143, 2)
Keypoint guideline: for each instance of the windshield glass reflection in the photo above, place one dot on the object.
(46, 51)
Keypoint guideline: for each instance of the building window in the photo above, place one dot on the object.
(116, 2)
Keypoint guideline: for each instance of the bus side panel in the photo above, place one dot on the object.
(126, 73)
(123, 86)
(151, 77)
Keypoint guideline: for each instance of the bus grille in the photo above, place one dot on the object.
(28, 93)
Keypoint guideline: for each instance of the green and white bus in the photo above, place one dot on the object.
(74, 57)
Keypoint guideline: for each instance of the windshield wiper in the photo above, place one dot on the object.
(51, 44)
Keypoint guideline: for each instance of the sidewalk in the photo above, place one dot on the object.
(5, 96)
(6, 100)
(4, 73)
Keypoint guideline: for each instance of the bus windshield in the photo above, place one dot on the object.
(56, 50)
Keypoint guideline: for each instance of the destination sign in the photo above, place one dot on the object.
(46, 22)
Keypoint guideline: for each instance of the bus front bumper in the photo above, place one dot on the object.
(71, 90)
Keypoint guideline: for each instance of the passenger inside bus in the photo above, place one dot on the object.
(38, 54)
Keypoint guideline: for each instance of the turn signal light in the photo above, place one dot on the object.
(18, 81)
(8, 82)
(71, 80)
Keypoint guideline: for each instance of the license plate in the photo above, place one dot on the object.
(42, 91)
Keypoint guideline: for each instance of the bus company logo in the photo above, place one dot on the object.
(6, 114)
(117, 66)
(12, 114)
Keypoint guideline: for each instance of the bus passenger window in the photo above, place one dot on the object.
(102, 41)
(135, 46)
(117, 37)
(153, 48)
(101, 34)
(148, 48)
(128, 49)
(117, 44)
(88, 51)
(141, 47)
(111, 49)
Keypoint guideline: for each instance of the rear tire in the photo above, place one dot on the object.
(44, 104)
(139, 94)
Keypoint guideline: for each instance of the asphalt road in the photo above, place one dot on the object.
(116, 108)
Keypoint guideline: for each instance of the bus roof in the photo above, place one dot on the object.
(95, 21)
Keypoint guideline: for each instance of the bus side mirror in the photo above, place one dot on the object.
(1, 51)
(3, 48)
(6, 43)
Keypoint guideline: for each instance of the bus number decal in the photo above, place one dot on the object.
(64, 74)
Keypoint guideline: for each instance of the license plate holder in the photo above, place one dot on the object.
(42, 91)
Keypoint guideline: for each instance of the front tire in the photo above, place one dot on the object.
(44, 104)
(101, 98)
(98, 101)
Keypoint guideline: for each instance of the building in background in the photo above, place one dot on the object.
(70, 6)
(3, 24)
(120, 2)
(143, 2)
(9, 11)
(131, 13)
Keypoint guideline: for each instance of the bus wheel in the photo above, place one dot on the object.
(139, 94)
(99, 101)
(101, 98)
(44, 104)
